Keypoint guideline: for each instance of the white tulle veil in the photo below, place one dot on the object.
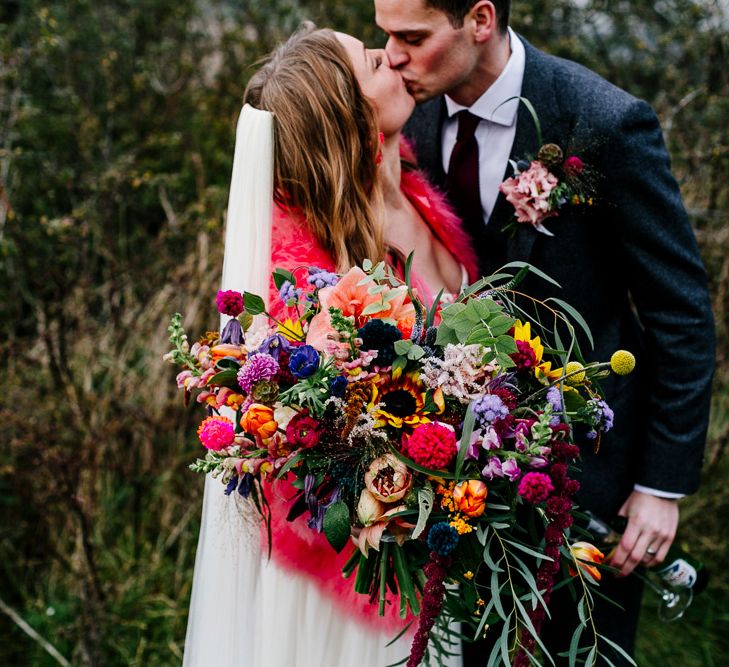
(227, 565)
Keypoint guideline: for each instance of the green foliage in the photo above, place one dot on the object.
(116, 133)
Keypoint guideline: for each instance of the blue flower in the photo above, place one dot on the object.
(232, 333)
(241, 484)
(231, 486)
(274, 345)
(554, 398)
(599, 415)
(442, 538)
(317, 508)
(338, 386)
(289, 292)
(489, 408)
(321, 278)
(304, 362)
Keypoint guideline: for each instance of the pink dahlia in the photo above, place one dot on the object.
(229, 302)
(431, 445)
(216, 433)
(535, 487)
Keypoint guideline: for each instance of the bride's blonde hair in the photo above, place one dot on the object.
(325, 144)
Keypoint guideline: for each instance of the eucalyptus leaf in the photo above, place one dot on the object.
(403, 345)
(575, 644)
(576, 317)
(496, 593)
(374, 308)
(618, 648)
(416, 352)
(533, 269)
(532, 630)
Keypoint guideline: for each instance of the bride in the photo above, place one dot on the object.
(321, 177)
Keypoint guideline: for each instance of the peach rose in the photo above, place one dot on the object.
(258, 420)
(470, 497)
(388, 478)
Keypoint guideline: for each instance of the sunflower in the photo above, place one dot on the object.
(530, 353)
(401, 400)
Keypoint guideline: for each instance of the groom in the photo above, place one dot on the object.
(629, 264)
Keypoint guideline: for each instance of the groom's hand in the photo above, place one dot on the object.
(652, 523)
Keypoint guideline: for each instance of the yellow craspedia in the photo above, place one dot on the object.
(622, 362)
(579, 373)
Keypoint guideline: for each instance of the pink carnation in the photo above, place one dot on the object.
(216, 433)
(431, 445)
(535, 487)
(229, 302)
(529, 194)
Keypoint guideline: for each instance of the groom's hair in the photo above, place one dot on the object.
(325, 144)
(456, 11)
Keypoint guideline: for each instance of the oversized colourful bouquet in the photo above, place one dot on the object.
(439, 442)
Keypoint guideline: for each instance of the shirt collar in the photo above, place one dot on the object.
(490, 106)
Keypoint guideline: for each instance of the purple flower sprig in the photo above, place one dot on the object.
(289, 293)
(320, 278)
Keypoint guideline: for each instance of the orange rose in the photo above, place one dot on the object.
(470, 497)
(258, 420)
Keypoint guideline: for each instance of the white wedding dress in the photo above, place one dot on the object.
(246, 611)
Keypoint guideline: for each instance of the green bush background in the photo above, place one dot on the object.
(117, 125)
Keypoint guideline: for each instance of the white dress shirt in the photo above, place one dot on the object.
(497, 129)
(497, 108)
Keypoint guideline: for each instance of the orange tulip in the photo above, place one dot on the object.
(226, 350)
(469, 497)
(258, 420)
(585, 553)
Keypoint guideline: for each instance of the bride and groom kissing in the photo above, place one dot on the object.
(346, 187)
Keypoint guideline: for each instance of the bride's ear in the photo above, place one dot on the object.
(482, 18)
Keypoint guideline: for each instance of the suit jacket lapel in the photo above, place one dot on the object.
(538, 88)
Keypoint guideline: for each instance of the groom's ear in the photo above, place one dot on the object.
(483, 17)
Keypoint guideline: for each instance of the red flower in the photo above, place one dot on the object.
(573, 166)
(229, 302)
(303, 431)
(535, 487)
(431, 445)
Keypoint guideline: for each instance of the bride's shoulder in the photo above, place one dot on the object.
(292, 243)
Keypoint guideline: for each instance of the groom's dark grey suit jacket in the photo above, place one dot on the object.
(629, 264)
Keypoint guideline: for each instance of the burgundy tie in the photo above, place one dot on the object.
(462, 179)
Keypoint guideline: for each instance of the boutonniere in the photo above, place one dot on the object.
(542, 186)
